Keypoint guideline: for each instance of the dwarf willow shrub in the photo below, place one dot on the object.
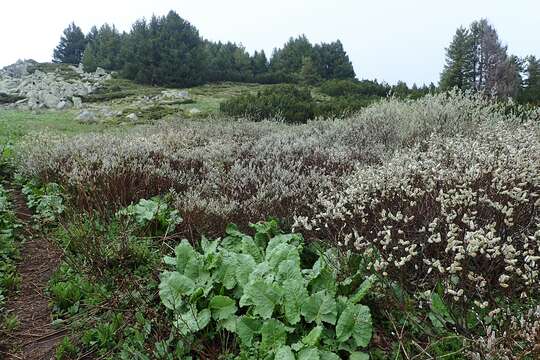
(456, 211)
(222, 171)
(259, 289)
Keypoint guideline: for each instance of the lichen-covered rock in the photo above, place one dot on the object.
(87, 116)
(49, 85)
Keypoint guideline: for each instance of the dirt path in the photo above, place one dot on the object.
(35, 338)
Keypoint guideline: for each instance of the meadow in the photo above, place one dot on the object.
(407, 230)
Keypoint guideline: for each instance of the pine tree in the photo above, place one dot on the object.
(71, 46)
(290, 58)
(458, 70)
(259, 63)
(103, 50)
(530, 93)
(333, 62)
(308, 72)
(137, 53)
(166, 51)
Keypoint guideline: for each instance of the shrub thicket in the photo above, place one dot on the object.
(292, 104)
(352, 87)
(223, 172)
(287, 102)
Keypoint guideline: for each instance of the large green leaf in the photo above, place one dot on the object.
(274, 335)
(226, 273)
(263, 297)
(192, 321)
(249, 247)
(325, 279)
(173, 287)
(195, 270)
(327, 355)
(284, 353)
(312, 339)
(289, 270)
(289, 239)
(363, 289)
(439, 312)
(309, 354)
(223, 307)
(282, 252)
(320, 307)
(246, 265)
(246, 328)
(294, 296)
(184, 252)
(355, 321)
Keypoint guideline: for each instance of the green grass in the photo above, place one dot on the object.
(208, 97)
(15, 124)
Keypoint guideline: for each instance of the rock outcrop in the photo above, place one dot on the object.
(52, 86)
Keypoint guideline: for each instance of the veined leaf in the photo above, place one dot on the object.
(274, 335)
(222, 307)
(184, 252)
(309, 354)
(363, 289)
(192, 321)
(284, 353)
(264, 298)
(312, 339)
(246, 328)
(173, 287)
(294, 296)
(246, 265)
(355, 321)
(226, 273)
(280, 253)
(320, 307)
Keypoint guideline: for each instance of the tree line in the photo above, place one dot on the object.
(168, 50)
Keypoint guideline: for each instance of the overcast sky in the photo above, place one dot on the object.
(388, 40)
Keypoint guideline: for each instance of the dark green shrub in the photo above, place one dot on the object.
(291, 103)
(343, 106)
(354, 88)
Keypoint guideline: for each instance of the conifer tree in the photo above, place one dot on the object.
(530, 93)
(458, 70)
(71, 46)
(103, 49)
(332, 61)
(308, 72)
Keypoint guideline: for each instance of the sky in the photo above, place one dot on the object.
(388, 40)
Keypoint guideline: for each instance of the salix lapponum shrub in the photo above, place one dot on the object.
(459, 211)
(223, 171)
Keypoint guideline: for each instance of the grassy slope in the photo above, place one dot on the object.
(15, 124)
